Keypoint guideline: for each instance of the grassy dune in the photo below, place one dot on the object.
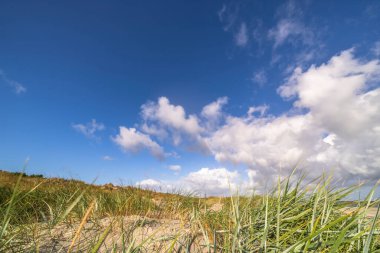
(57, 215)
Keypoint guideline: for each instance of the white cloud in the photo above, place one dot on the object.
(171, 120)
(228, 15)
(171, 116)
(154, 130)
(221, 12)
(262, 143)
(262, 109)
(339, 131)
(304, 57)
(17, 87)
(149, 183)
(287, 29)
(212, 181)
(344, 102)
(89, 129)
(241, 37)
(336, 92)
(107, 158)
(163, 120)
(330, 139)
(260, 78)
(334, 124)
(292, 28)
(175, 167)
(219, 181)
(213, 111)
(131, 140)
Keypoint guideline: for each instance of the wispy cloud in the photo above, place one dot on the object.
(89, 129)
(107, 158)
(293, 32)
(221, 12)
(290, 26)
(228, 15)
(376, 48)
(17, 87)
(241, 37)
(175, 167)
(260, 78)
(290, 30)
(372, 10)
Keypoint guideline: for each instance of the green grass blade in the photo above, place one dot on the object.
(369, 238)
(102, 238)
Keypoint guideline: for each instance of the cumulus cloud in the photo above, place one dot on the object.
(164, 120)
(333, 125)
(171, 116)
(131, 140)
(151, 184)
(213, 111)
(89, 129)
(341, 83)
(344, 103)
(212, 181)
(340, 128)
(154, 130)
(218, 181)
(264, 144)
(171, 120)
(241, 37)
(17, 87)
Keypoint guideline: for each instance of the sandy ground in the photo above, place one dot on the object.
(147, 234)
(370, 213)
(155, 235)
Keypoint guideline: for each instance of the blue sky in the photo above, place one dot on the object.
(119, 90)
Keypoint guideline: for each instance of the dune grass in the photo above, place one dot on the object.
(290, 218)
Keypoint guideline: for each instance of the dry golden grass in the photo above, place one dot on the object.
(58, 215)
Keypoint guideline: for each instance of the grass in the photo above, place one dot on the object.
(57, 215)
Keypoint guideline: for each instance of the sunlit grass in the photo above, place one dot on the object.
(51, 215)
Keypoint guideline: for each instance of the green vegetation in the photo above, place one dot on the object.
(52, 215)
